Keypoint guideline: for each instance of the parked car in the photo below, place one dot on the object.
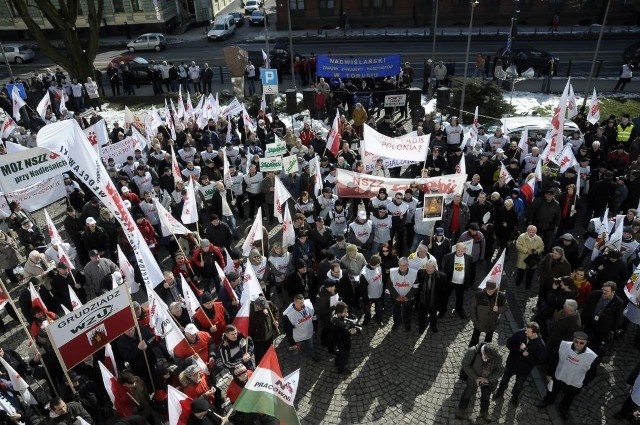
(138, 65)
(150, 41)
(252, 5)
(526, 57)
(18, 53)
(514, 126)
(632, 53)
(239, 18)
(257, 18)
(222, 28)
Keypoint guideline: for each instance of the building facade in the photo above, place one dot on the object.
(121, 17)
(326, 14)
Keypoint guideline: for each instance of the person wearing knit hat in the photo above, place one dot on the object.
(231, 301)
(302, 281)
(241, 376)
(212, 317)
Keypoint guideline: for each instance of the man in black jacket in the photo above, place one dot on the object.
(432, 287)
(526, 350)
(601, 316)
(545, 214)
(457, 266)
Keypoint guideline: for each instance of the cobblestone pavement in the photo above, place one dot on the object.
(404, 377)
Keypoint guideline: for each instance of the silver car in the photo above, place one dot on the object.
(18, 53)
(151, 41)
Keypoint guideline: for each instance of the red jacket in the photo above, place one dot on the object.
(306, 136)
(148, 234)
(197, 390)
(219, 321)
(201, 347)
(201, 261)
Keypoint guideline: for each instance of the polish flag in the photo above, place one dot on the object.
(18, 383)
(496, 272)
(528, 189)
(594, 109)
(179, 407)
(127, 272)
(110, 359)
(64, 258)
(251, 291)
(190, 299)
(7, 127)
(335, 135)
(190, 208)
(461, 167)
(36, 301)
(118, 394)
(225, 283)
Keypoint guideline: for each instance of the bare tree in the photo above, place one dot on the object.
(80, 52)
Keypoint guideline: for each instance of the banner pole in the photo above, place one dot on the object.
(59, 356)
(137, 326)
(186, 258)
(31, 341)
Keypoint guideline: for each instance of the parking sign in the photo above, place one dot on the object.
(269, 80)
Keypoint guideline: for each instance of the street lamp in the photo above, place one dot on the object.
(434, 28)
(288, 6)
(595, 55)
(266, 38)
(474, 3)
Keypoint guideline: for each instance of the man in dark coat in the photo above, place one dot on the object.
(545, 214)
(486, 308)
(526, 350)
(457, 266)
(552, 266)
(324, 310)
(432, 287)
(565, 323)
(302, 281)
(601, 316)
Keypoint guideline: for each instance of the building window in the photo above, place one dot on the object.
(136, 5)
(296, 4)
(118, 6)
(327, 4)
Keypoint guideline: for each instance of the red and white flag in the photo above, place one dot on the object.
(117, 393)
(179, 407)
(64, 98)
(280, 197)
(288, 233)
(17, 102)
(250, 291)
(255, 233)
(7, 126)
(169, 120)
(316, 174)
(538, 171)
(528, 189)
(110, 359)
(43, 105)
(335, 135)
(53, 232)
(64, 258)
(567, 158)
(461, 166)
(473, 132)
(180, 113)
(36, 301)
(190, 207)
(504, 173)
(594, 109)
(175, 168)
(188, 109)
(190, 299)
(18, 384)
(557, 127)
(496, 272)
(226, 285)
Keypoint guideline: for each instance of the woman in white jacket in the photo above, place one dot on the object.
(92, 91)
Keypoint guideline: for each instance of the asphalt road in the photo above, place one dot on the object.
(578, 51)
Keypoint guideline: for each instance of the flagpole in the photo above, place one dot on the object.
(59, 356)
(137, 326)
(185, 256)
(26, 331)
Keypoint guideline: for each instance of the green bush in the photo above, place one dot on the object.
(485, 94)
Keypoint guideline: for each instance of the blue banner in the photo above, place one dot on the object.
(362, 67)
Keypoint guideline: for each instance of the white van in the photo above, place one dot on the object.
(222, 28)
(514, 126)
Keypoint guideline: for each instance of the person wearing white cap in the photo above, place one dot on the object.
(196, 341)
(95, 237)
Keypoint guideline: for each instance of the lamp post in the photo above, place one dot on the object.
(434, 28)
(266, 38)
(595, 55)
(293, 74)
(474, 3)
(4, 56)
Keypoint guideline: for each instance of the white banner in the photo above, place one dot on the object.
(350, 184)
(369, 161)
(276, 149)
(271, 164)
(395, 100)
(34, 197)
(67, 139)
(409, 147)
(25, 168)
(119, 151)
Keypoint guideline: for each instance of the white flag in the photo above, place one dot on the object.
(180, 112)
(263, 103)
(496, 272)
(53, 232)
(288, 233)
(572, 104)
(17, 102)
(175, 168)
(557, 127)
(567, 159)
(523, 145)
(190, 207)
(504, 173)
(75, 301)
(255, 233)
(594, 109)
(316, 174)
(168, 223)
(7, 127)
(18, 383)
(161, 322)
(190, 299)
(226, 174)
(280, 197)
(43, 105)
(126, 269)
